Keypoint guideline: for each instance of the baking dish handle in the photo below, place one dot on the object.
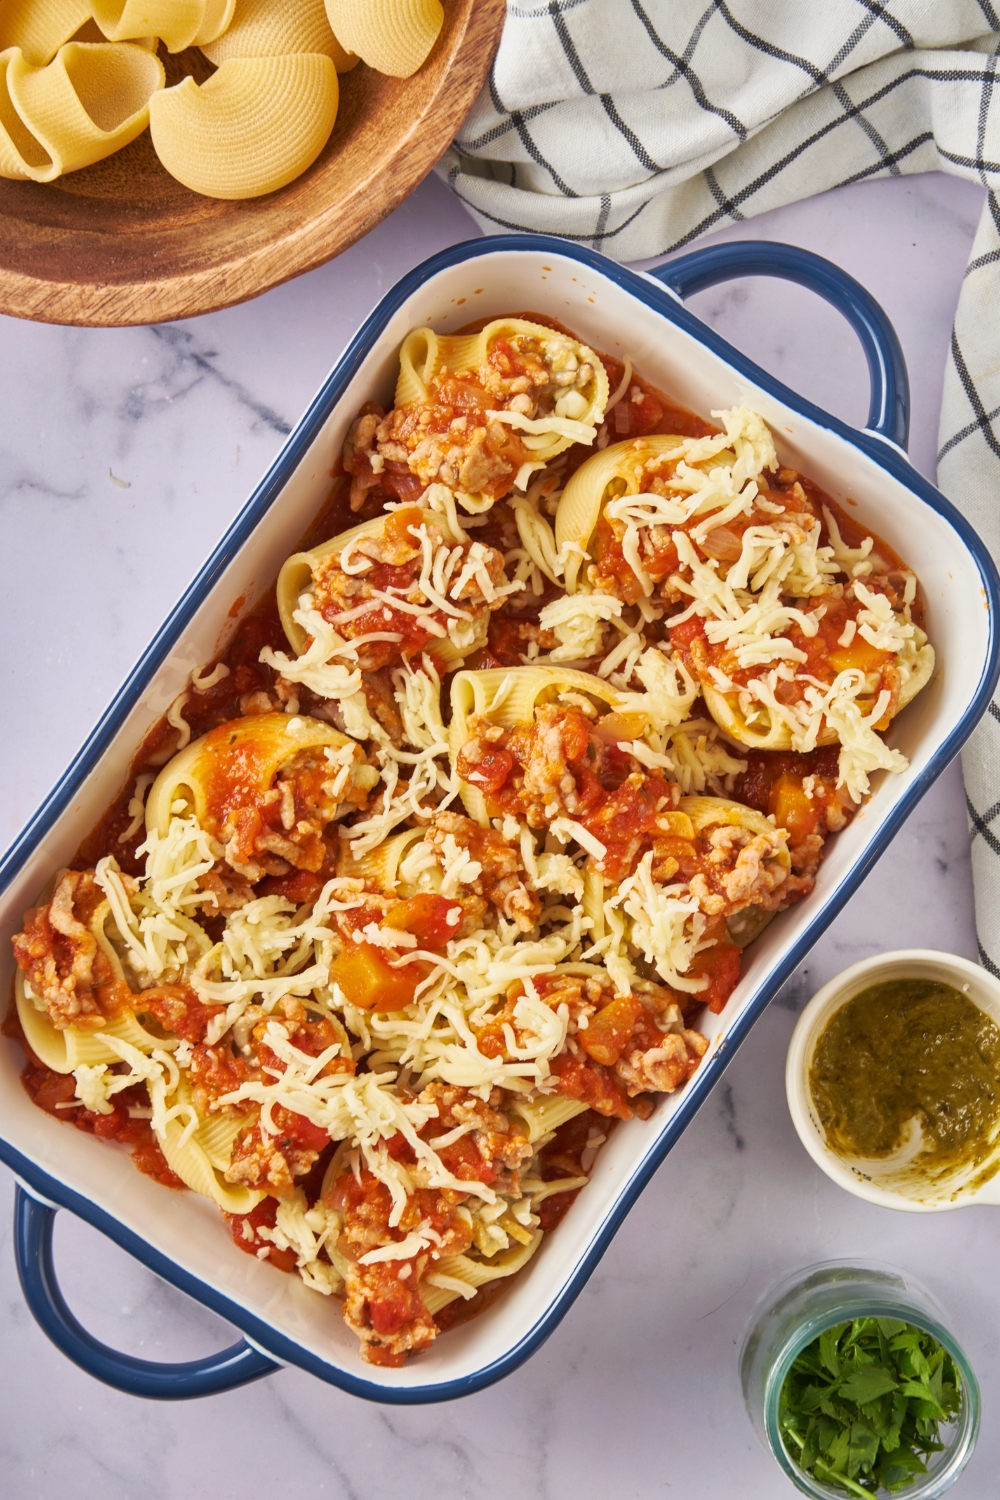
(232, 1367)
(889, 408)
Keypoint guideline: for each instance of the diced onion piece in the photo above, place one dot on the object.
(392, 36)
(89, 102)
(272, 28)
(254, 126)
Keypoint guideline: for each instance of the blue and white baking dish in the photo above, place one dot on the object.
(183, 1237)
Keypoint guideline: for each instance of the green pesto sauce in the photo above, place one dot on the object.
(905, 1049)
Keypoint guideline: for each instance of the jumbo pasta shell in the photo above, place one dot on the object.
(87, 103)
(193, 1165)
(247, 753)
(546, 437)
(91, 32)
(519, 690)
(424, 354)
(271, 28)
(475, 1273)
(583, 498)
(539, 1116)
(254, 126)
(765, 732)
(711, 812)
(381, 864)
(217, 18)
(22, 157)
(176, 22)
(40, 30)
(217, 1134)
(296, 573)
(68, 1048)
(918, 676)
(392, 36)
(295, 579)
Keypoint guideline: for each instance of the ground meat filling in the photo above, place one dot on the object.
(727, 868)
(60, 956)
(395, 593)
(282, 829)
(611, 572)
(800, 793)
(451, 440)
(500, 879)
(563, 765)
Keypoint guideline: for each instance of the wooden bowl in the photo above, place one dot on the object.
(123, 242)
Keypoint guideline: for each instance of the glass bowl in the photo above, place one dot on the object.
(801, 1307)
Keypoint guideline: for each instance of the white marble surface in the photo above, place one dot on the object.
(636, 1393)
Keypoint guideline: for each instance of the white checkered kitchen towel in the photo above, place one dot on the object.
(636, 125)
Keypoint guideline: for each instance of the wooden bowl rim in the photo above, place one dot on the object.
(120, 299)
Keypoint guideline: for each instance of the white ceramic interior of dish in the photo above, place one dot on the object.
(189, 1230)
(905, 963)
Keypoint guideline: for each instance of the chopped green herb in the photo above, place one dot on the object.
(861, 1406)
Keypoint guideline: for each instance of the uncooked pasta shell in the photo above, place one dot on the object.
(217, 18)
(40, 29)
(584, 496)
(254, 126)
(22, 157)
(176, 22)
(90, 101)
(91, 32)
(270, 28)
(392, 36)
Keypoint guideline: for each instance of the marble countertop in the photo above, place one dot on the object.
(125, 454)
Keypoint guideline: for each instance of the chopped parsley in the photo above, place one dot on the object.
(862, 1404)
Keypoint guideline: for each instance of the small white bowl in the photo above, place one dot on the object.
(906, 963)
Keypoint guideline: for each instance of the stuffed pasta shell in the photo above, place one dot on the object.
(796, 638)
(482, 412)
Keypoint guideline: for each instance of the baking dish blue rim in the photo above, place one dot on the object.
(878, 443)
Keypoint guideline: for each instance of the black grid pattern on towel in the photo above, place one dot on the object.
(635, 126)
